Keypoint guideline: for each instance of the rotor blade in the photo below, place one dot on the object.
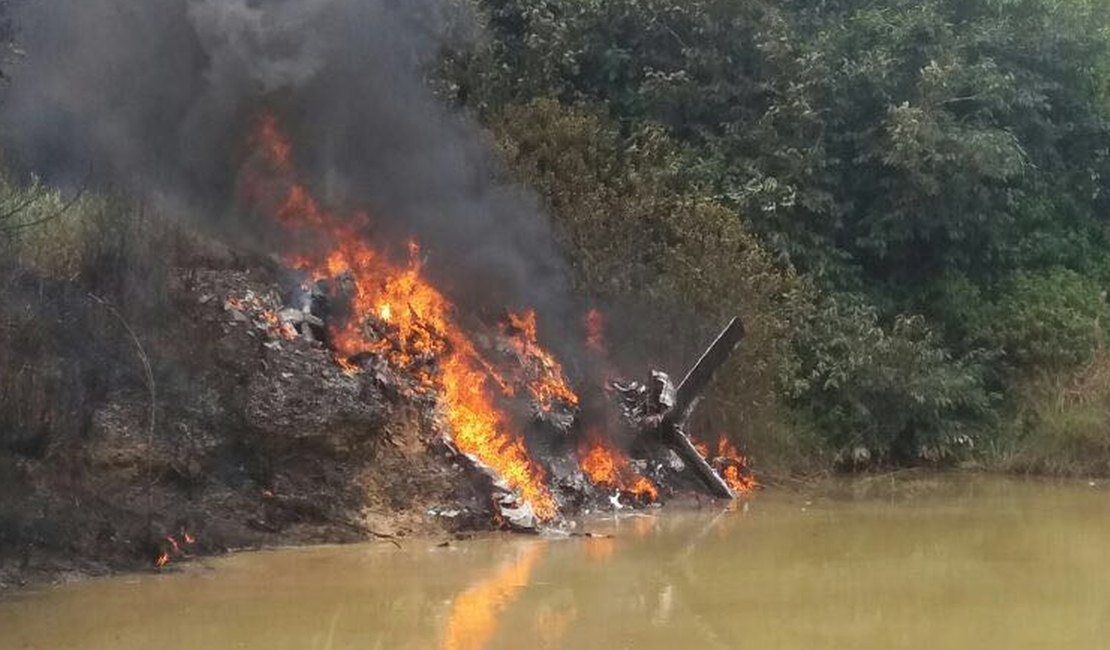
(677, 440)
(715, 356)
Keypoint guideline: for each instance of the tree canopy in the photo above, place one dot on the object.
(936, 171)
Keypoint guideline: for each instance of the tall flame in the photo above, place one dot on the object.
(546, 382)
(412, 321)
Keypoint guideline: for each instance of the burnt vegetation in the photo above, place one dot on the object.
(905, 202)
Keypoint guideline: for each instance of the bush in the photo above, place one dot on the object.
(102, 242)
(61, 352)
(45, 232)
(893, 393)
(1045, 321)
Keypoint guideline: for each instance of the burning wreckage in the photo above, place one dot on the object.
(498, 397)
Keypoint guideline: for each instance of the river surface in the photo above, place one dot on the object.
(950, 562)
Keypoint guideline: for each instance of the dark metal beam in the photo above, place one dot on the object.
(696, 381)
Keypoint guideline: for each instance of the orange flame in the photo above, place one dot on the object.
(546, 382)
(608, 467)
(474, 614)
(599, 465)
(734, 465)
(174, 548)
(396, 312)
(642, 487)
(275, 327)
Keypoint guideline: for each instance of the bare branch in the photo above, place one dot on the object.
(13, 228)
(151, 389)
(37, 194)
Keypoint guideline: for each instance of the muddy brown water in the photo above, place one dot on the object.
(940, 563)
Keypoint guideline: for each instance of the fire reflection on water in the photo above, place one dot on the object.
(475, 613)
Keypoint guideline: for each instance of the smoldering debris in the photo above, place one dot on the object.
(649, 410)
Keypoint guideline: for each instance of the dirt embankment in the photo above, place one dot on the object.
(254, 441)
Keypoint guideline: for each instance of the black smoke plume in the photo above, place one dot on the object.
(157, 97)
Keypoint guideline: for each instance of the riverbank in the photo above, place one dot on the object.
(409, 528)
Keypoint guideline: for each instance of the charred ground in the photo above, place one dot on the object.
(251, 444)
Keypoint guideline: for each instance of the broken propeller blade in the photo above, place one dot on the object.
(677, 440)
(696, 381)
(686, 397)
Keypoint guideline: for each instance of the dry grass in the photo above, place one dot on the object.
(1063, 424)
(60, 351)
(46, 233)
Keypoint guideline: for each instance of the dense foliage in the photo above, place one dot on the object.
(935, 171)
